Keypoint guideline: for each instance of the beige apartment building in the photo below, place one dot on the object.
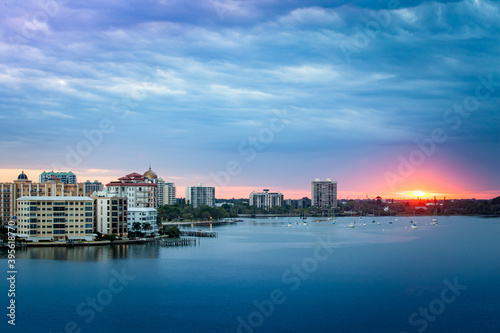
(21, 187)
(55, 218)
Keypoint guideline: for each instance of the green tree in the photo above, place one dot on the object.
(136, 226)
(173, 232)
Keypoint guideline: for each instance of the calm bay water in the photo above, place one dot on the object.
(262, 276)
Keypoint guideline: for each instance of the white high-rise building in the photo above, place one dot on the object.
(324, 193)
(266, 199)
(166, 192)
(169, 194)
(200, 195)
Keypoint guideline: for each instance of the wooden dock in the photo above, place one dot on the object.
(178, 241)
(198, 233)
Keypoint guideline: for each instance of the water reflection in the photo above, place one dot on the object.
(90, 253)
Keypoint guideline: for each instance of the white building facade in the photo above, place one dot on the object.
(147, 217)
(166, 192)
(169, 194)
(266, 199)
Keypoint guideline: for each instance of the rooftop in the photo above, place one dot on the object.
(42, 198)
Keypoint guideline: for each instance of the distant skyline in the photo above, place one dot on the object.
(385, 97)
(244, 191)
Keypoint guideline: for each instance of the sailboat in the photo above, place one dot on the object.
(434, 220)
(351, 225)
(414, 226)
(334, 220)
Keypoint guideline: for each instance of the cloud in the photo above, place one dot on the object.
(200, 77)
(57, 114)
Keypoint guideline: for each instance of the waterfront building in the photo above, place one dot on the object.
(55, 218)
(110, 215)
(200, 195)
(22, 186)
(64, 177)
(324, 193)
(147, 217)
(266, 199)
(95, 186)
(139, 190)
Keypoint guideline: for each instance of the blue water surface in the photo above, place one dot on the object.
(262, 276)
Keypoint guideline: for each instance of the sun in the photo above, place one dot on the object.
(419, 194)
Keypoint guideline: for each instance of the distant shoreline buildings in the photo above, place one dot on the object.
(60, 208)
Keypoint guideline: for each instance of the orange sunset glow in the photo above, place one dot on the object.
(348, 188)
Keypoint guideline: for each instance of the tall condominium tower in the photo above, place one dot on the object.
(324, 193)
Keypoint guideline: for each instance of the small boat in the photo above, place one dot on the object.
(373, 221)
(364, 223)
(351, 225)
(304, 223)
(433, 223)
(414, 226)
(378, 223)
(390, 222)
(289, 225)
(435, 220)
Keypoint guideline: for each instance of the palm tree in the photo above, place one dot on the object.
(136, 226)
(146, 226)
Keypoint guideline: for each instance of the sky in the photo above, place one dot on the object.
(384, 97)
